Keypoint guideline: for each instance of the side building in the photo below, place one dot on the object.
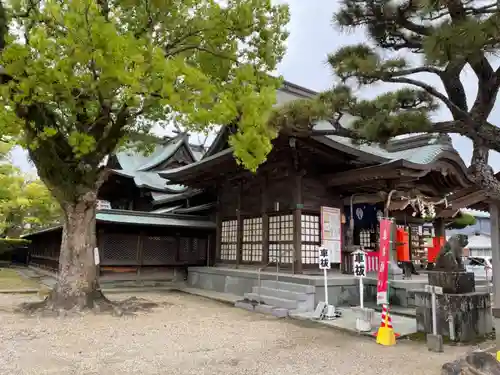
(145, 224)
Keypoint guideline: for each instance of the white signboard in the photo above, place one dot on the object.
(97, 259)
(331, 232)
(324, 258)
(359, 263)
(103, 205)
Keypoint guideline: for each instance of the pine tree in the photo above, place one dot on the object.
(408, 41)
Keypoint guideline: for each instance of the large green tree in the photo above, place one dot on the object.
(25, 202)
(423, 46)
(78, 76)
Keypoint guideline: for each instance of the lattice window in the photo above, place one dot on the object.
(119, 249)
(309, 225)
(310, 238)
(199, 246)
(281, 251)
(309, 253)
(229, 237)
(281, 228)
(281, 238)
(252, 240)
(159, 250)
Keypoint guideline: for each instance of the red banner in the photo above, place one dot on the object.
(384, 257)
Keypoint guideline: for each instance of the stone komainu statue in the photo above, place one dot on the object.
(449, 257)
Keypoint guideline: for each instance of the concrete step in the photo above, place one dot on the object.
(280, 293)
(290, 287)
(273, 301)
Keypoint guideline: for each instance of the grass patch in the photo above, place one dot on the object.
(10, 279)
(422, 336)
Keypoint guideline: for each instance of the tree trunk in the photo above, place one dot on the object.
(77, 284)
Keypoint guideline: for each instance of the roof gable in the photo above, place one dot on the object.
(132, 160)
(287, 93)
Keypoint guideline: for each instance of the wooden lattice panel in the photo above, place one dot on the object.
(119, 248)
(252, 240)
(309, 253)
(199, 247)
(281, 251)
(309, 225)
(281, 228)
(229, 237)
(281, 238)
(158, 250)
(310, 238)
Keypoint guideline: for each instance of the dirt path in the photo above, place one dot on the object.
(191, 335)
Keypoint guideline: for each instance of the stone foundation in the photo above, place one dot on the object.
(468, 310)
(453, 282)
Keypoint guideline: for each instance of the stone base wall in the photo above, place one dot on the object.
(470, 315)
(343, 290)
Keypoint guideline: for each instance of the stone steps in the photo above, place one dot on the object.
(273, 301)
(291, 287)
(280, 293)
(279, 298)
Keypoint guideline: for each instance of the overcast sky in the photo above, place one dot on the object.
(312, 37)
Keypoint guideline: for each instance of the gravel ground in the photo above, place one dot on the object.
(192, 335)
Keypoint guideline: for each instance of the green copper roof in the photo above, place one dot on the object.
(143, 218)
(146, 218)
(418, 149)
(138, 161)
(199, 208)
(160, 198)
(151, 180)
(166, 210)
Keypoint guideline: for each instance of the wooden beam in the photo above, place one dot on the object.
(218, 229)
(297, 223)
(239, 218)
(356, 176)
(467, 200)
(265, 219)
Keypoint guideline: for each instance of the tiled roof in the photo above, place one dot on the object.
(143, 218)
(146, 218)
(417, 149)
(136, 165)
(151, 180)
(199, 208)
(161, 198)
(137, 161)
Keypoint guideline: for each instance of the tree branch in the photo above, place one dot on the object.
(429, 89)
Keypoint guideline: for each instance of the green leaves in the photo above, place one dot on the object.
(24, 204)
(88, 73)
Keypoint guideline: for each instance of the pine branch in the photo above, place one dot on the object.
(429, 89)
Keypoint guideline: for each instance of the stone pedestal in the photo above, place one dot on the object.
(364, 318)
(462, 313)
(453, 282)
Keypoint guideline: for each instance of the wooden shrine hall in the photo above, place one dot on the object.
(274, 215)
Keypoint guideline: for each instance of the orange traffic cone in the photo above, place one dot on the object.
(385, 334)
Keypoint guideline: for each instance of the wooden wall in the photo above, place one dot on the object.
(315, 194)
(133, 246)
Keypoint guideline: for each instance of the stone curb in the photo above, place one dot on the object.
(106, 291)
(20, 291)
(228, 301)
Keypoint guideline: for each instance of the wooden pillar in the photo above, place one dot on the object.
(218, 228)
(439, 227)
(495, 262)
(239, 238)
(297, 223)
(265, 220)
(140, 253)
